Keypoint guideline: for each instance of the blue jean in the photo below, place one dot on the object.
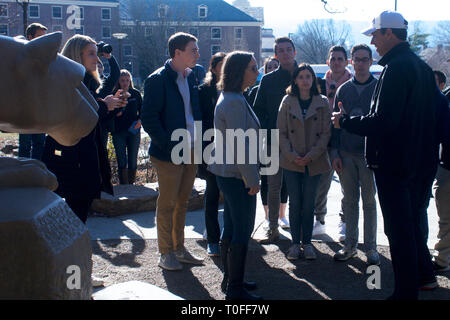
(212, 195)
(356, 179)
(31, 145)
(302, 189)
(126, 145)
(239, 210)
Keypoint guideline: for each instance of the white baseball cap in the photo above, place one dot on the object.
(387, 19)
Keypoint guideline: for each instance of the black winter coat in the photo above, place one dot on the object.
(130, 113)
(401, 128)
(82, 170)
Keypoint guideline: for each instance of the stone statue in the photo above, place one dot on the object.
(45, 250)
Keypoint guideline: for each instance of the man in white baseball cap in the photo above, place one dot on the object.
(402, 149)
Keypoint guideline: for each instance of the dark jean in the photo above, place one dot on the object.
(31, 145)
(302, 190)
(212, 195)
(402, 201)
(126, 145)
(239, 210)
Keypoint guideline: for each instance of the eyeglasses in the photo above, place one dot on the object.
(363, 60)
(254, 69)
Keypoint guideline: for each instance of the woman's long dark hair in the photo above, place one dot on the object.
(292, 90)
(210, 78)
(233, 71)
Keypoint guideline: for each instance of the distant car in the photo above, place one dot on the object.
(321, 69)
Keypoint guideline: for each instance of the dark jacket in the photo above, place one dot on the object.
(444, 129)
(130, 113)
(107, 88)
(208, 96)
(271, 91)
(401, 126)
(163, 109)
(82, 170)
(250, 95)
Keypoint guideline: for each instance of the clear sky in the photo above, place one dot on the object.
(284, 15)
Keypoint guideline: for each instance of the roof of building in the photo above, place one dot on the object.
(187, 10)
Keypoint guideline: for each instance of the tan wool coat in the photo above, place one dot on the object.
(309, 137)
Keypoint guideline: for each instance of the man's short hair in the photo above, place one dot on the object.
(401, 34)
(338, 49)
(281, 40)
(362, 46)
(441, 76)
(32, 28)
(179, 41)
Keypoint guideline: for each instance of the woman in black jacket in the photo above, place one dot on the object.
(83, 170)
(127, 130)
(208, 95)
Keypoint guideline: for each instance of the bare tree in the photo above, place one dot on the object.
(314, 38)
(441, 33)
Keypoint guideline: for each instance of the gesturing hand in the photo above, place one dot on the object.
(115, 101)
(253, 191)
(337, 115)
(302, 161)
(337, 165)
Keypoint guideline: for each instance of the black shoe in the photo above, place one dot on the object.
(236, 267)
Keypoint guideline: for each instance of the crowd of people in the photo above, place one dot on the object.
(388, 136)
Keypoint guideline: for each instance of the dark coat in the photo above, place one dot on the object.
(130, 113)
(82, 170)
(401, 127)
(444, 129)
(163, 109)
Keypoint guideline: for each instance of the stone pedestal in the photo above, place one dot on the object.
(45, 250)
(134, 290)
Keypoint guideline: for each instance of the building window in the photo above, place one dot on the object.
(170, 31)
(214, 49)
(81, 11)
(238, 33)
(4, 10)
(162, 10)
(3, 29)
(127, 50)
(194, 32)
(216, 33)
(202, 11)
(57, 28)
(106, 14)
(57, 12)
(148, 32)
(33, 11)
(80, 31)
(106, 32)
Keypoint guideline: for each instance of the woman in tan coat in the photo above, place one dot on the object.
(305, 130)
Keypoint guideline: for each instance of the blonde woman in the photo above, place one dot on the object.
(83, 169)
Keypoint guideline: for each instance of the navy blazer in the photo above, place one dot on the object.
(163, 109)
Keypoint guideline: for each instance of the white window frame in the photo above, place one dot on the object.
(7, 28)
(57, 25)
(131, 50)
(165, 7)
(108, 9)
(218, 28)
(242, 33)
(199, 9)
(103, 34)
(61, 8)
(39, 11)
(7, 10)
(212, 47)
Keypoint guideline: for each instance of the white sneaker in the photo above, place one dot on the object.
(266, 224)
(97, 282)
(293, 252)
(308, 251)
(341, 231)
(284, 224)
(318, 228)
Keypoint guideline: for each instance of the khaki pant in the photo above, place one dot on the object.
(175, 187)
(442, 196)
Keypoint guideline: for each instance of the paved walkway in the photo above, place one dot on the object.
(142, 225)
